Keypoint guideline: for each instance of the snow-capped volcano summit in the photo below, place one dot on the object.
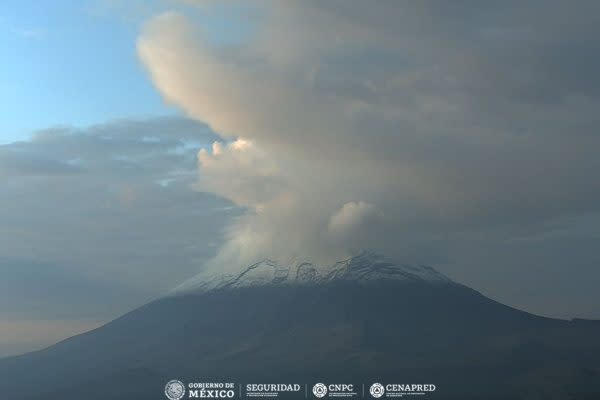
(365, 266)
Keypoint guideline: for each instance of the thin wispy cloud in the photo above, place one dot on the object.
(22, 31)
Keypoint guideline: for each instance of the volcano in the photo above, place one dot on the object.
(364, 319)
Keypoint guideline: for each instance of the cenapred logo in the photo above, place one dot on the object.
(320, 390)
(174, 390)
(376, 390)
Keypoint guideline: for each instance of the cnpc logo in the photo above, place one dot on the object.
(321, 390)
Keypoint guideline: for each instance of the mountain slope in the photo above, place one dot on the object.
(368, 320)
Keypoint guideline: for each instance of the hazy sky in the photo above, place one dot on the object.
(145, 142)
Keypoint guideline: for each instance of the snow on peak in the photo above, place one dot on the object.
(363, 267)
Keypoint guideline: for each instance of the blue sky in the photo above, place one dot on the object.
(74, 63)
(69, 63)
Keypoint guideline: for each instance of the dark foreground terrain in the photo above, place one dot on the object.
(469, 346)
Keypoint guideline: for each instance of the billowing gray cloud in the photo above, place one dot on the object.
(465, 125)
(98, 220)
